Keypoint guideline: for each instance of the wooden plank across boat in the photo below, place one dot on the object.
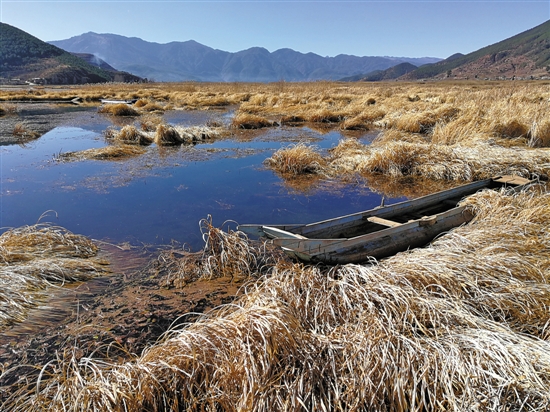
(382, 231)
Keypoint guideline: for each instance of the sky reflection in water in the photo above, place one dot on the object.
(161, 196)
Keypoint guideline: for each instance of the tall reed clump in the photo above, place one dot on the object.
(129, 134)
(297, 160)
(35, 258)
(120, 109)
(460, 325)
(226, 254)
(540, 135)
(250, 121)
(166, 135)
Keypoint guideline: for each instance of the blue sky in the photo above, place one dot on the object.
(436, 28)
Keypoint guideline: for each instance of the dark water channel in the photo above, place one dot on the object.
(161, 196)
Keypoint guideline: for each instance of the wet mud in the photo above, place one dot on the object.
(113, 318)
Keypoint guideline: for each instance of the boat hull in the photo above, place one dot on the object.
(382, 231)
(380, 244)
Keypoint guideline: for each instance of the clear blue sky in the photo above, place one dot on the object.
(436, 28)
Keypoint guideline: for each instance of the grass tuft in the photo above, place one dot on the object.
(35, 258)
(129, 135)
(296, 160)
(23, 133)
(227, 254)
(119, 109)
(250, 121)
(104, 153)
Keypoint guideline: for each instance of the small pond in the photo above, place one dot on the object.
(161, 196)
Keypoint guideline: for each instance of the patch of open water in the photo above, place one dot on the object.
(162, 195)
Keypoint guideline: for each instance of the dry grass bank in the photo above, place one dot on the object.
(398, 158)
(515, 113)
(471, 125)
(33, 259)
(461, 325)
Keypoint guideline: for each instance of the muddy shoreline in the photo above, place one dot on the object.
(40, 118)
(113, 318)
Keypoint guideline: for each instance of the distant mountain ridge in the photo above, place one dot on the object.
(26, 57)
(392, 73)
(190, 60)
(521, 56)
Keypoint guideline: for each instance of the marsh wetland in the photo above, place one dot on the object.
(119, 239)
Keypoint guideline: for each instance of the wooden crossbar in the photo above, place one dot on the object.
(383, 222)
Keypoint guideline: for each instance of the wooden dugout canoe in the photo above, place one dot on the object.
(382, 231)
(114, 101)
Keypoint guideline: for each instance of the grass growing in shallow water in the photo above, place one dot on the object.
(104, 153)
(460, 325)
(297, 160)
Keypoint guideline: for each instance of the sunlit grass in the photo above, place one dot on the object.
(35, 258)
(129, 134)
(112, 152)
(167, 135)
(459, 325)
(119, 109)
(296, 160)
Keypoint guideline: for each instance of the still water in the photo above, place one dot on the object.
(161, 196)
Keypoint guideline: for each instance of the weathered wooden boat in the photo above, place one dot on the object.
(382, 231)
(114, 101)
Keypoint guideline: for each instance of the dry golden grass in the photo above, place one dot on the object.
(226, 254)
(112, 152)
(129, 134)
(35, 258)
(166, 135)
(460, 325)
(540, 135)
(250, 121)
(120, 109)
(150, 122)
(444, 112)
(473, 162)
(149, 106)
(296, 160)
(22, 132)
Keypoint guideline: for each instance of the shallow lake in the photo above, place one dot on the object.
(161, 196)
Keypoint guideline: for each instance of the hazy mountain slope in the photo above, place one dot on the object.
(95, 61)
(381, 75)
(526, 54)
(189, 60)
(25, 56)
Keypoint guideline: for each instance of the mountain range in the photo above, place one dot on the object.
(524, 55)
(92, 57)
(27, 57)
(189, 60)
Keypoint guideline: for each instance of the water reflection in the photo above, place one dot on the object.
(160, 196)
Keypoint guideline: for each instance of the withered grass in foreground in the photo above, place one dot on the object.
(461, 325)
(35, 258)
